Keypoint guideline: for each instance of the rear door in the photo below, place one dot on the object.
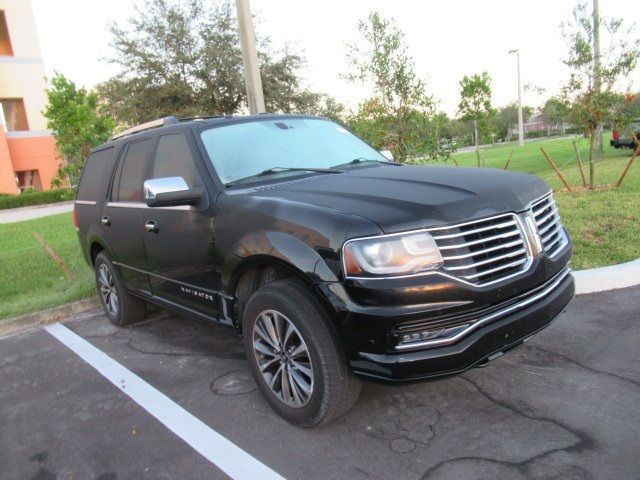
(121, 215)
(180, 255)
(92, 190)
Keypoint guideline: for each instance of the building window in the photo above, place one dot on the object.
(5, 42)
(15, 116)
(29, 180)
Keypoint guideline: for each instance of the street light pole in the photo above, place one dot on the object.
(520, 120)
(252, 80)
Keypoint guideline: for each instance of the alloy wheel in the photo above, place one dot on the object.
(283, 358)
(108, 290)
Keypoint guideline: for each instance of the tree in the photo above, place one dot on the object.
(506, 119)
(626, 110)
(396, 112)
(185, 59)
(555, 112)
(595, 71)
(78, 124)
(475, 103)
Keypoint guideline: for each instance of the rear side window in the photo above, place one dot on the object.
(174, 159)
(94, 175)
(132, 170)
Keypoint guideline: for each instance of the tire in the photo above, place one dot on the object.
(310, 346)
(120, 306)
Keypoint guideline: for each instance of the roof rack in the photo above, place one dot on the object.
(161, 122)
(198, 117)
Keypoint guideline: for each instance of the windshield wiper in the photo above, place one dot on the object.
(358, 160)
(274, 170)
(271, 171)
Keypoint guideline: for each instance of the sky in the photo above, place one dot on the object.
(447, 39)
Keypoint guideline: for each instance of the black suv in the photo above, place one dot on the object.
(331, 261)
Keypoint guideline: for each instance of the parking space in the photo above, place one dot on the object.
(564, 405)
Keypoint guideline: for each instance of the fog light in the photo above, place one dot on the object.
(431, 334)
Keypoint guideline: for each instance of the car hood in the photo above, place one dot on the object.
(404, 197)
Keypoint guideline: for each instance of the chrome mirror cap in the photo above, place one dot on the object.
(155, 186)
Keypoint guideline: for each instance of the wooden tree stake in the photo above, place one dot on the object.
(579, 160)
(52, 253)
(555, 169)
(506, 165)
(631, 160)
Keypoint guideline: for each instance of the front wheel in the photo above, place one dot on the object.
(294, 355)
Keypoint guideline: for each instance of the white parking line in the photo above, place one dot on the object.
(224, 454)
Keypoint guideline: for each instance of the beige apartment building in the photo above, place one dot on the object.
(27, 150)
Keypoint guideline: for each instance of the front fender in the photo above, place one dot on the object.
(276, 247)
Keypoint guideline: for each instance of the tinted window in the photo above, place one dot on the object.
(94, 176)
(132, 172)
(174, 159)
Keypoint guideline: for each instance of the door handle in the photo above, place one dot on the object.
(106, 221)
(151, 226)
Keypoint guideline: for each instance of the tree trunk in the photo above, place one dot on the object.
(591, 160)
(599, 146)
(475, 134)
(597, 82)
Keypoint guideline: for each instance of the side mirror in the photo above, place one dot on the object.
(387, 154)
(170, 192)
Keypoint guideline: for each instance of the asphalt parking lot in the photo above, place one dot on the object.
(565, 405)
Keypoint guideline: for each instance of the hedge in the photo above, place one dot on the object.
(36, 198)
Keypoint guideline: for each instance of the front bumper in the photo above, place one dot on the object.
(503, 329)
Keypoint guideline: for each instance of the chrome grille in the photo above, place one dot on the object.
(545, 213)
(483, 251)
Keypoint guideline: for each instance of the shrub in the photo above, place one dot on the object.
(34, 197)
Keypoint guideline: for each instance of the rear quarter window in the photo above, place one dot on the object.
(132, 171)
(95, 175)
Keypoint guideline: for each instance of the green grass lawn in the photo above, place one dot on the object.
(30, 280)
(604, 225)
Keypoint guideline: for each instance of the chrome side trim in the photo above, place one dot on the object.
(86, 202)
(173, 280)
(488, 318)
(145, 206)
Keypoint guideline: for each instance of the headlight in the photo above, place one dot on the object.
(391, 255)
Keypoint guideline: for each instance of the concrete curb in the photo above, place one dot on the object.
(607, 278)
(44, 317)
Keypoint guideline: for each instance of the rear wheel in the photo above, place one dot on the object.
(294, 355)
(120, 306)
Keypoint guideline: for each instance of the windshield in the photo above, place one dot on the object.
(246, 149)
